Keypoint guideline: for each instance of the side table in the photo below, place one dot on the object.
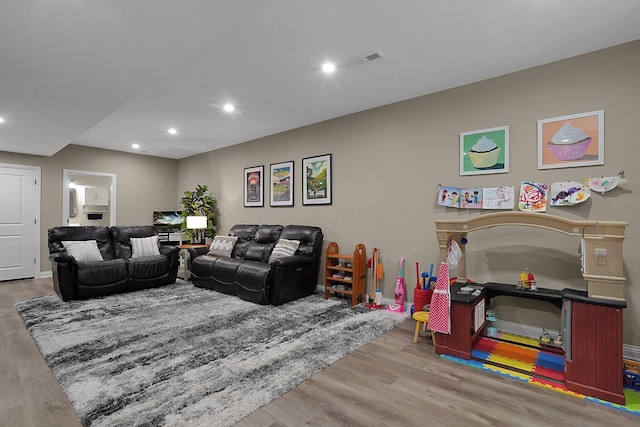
(184, 271)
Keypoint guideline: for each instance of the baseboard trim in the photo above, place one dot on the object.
(631, 352)
(524, 330)
(385, 300)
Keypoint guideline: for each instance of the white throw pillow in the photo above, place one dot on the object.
(284, 248)
(222, 246)
(83, 250)
(144, 247)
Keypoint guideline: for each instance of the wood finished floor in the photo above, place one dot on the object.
(389, 382)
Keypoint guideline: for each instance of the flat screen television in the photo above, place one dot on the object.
(167, 219)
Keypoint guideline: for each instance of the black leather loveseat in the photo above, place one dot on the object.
(93, 261)
(251, 270)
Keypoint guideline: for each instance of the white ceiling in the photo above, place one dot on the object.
(108, 73)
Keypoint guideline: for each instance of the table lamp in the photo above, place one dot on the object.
(197, 223)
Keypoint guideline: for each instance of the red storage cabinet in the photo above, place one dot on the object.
(467, 324)
(595, 367)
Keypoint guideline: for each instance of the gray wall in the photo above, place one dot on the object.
(388, 162)
(144, 184)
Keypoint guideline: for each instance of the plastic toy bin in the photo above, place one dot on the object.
(421, 298)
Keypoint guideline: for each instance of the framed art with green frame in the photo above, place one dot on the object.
(484, 151)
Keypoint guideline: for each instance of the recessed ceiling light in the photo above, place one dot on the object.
(135, 146)
(328, 67)
(172, 131)
(1, 120)
(228, 107)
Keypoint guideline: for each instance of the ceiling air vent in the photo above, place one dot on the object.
(366, 58)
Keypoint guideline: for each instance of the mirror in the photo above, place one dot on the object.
(88, 198)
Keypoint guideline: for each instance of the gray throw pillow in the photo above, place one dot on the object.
(142, 247)
(222, 246)
(83, 250)
(283, 249)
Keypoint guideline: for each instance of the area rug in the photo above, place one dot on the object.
(180, 355)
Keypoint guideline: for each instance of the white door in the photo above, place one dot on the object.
(17, 223)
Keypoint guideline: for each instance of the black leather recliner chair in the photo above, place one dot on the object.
(118, 272)
(249, 275)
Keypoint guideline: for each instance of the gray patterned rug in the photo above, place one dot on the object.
(181, 355)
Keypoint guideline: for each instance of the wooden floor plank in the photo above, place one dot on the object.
(40, 399)
(390, 381)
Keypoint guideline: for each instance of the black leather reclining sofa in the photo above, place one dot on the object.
(119, 270)
(247, 272)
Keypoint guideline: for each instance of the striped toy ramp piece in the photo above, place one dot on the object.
(519, 360)
(518, 339)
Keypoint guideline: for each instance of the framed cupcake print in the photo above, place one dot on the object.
(484, 151)
(571, 141)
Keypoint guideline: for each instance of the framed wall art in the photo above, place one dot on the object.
(253, 186)
(484, 151)
(316, 184)
(571, 141)
(281, 184)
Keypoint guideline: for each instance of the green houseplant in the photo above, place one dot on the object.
(199, 203)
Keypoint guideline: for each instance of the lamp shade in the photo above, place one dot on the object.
(196, 222)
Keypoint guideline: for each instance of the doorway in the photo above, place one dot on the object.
(19, 221)
(88, 198)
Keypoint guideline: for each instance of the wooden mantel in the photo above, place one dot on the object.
(601, 242)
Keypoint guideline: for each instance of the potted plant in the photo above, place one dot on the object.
(199, 203)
